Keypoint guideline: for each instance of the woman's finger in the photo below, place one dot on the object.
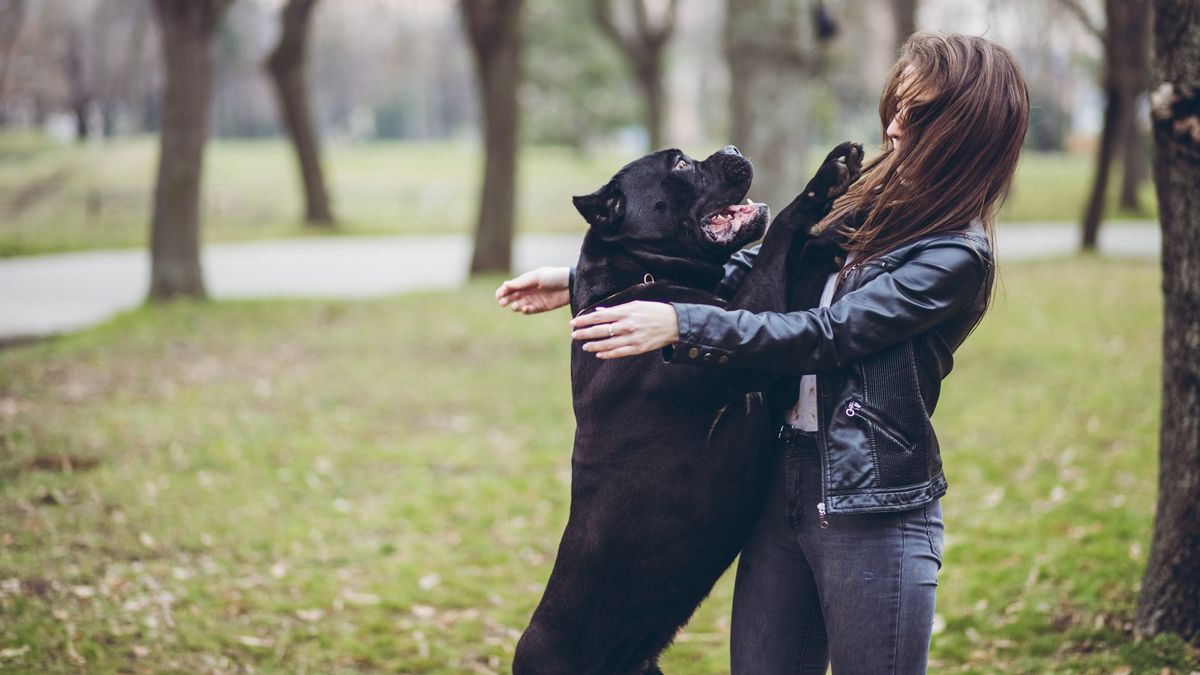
(621, 352)
(518, 283)
(597, 332)
(601, 315)
(609, 344)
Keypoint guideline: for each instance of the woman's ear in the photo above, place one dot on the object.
(604, 209)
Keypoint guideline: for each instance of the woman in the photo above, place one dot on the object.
(843, 564)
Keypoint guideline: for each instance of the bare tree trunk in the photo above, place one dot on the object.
(772, 53)
(643, 45)
(1124, 40)
(650, 82)
(187, 28)
(12, 17)
(81, 98)
(904, 16)
(287, 65)
(1169, 601)
(493, 29)
(1134, 64)
(1135, 161)
(1114, 119)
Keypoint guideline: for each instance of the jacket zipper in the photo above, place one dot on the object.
(821, 520)
(842, 276)
(821, 508)
(855, 407)
(821, 435)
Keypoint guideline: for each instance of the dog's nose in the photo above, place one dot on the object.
(730, 150)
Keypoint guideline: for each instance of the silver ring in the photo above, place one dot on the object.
(610, 330)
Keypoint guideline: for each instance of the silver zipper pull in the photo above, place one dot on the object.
(852, 408)
(821, 515)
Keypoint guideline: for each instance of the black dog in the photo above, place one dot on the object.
(671, 462)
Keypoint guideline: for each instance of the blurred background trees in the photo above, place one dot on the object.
(602, 77)
(641, 35)
(288, 66)
(187, 28)
(494, 31)
(1125, 38)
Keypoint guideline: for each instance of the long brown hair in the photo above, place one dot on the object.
(958, 149)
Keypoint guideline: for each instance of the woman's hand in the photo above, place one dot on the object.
(539, 290)
(626, 330)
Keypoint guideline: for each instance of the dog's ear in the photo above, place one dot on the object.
(604, 209)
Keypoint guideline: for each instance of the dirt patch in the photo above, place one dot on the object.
(63, 463)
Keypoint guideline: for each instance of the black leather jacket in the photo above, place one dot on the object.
(880, 351)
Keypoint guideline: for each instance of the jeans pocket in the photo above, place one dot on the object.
(935, 529)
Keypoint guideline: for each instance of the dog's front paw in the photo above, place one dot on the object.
(842, 166)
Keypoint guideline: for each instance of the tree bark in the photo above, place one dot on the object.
(643, 46)
(493, 30)
(772, 56)
(12, 18)
(187, 28)
(904, 17)
(1134, 64)
(287, 66)
(1169, 601)
(1114, 119)
(1124, 40)
(81, 97)
(1135, 161)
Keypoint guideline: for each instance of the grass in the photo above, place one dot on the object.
(361, 487)
(55, 197)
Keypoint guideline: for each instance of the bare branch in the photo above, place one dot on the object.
(1080, 13)
(602, 10)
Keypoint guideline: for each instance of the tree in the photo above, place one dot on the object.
(904, 16)
(287, 66)
(1124, 39)
(567, 61)
(493, 30)
(12, 17)
(774, 49)
(643, 46)
(1169, 601)
(187, 28)
(80, 94)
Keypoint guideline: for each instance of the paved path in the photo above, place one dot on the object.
(41, 295)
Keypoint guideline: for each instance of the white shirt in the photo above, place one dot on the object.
(803, 415)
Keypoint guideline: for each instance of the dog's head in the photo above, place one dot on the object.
(668, 204)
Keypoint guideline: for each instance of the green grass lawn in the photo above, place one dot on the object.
(55, 197)
(317, 487)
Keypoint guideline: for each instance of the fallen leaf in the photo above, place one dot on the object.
(13, 652)
(251, 641)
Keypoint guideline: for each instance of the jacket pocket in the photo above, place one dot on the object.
(856, 408)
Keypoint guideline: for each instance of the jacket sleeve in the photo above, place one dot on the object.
(925, 290)
(735, 272)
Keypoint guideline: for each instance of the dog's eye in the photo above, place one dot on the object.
(660, 206)
(682, 165)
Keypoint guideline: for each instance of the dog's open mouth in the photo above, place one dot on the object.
(724, 225)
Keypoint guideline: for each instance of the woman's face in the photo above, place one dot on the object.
(907, 93)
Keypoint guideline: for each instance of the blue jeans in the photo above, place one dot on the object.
(858, 594)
